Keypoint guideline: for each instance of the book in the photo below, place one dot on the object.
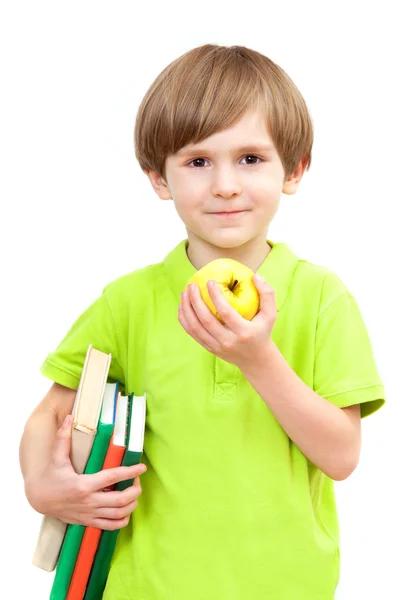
(75, 532)
(132, 456)
(91, 536)
(86, 412)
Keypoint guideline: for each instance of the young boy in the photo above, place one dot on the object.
(249, 422)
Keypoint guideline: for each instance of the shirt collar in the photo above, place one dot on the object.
(277, 269)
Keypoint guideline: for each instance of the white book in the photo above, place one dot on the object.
(86, 412)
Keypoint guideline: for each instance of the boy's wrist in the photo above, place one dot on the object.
(261, 360)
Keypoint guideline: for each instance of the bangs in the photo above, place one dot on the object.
(216, 94)
(209, 89)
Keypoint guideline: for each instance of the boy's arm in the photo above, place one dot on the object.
(330, 437)
(40, 432)
(52, 486)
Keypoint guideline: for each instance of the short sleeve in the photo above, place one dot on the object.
(94, 326)
(345, 372)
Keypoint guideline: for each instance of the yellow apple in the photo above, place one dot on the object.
(235, 282)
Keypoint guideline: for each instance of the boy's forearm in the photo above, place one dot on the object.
(320, 429)
(36, 444)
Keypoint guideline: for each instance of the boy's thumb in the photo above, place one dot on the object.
(62, 443)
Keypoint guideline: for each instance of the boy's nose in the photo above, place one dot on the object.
(226, 184)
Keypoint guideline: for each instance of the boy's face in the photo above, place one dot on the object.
(227, 172)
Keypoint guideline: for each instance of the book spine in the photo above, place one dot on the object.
(108, 539)
(80, 385)
(101, 565)
(90, 540)
(87, 551)
(130, 458)
(53, 531)
(51, 536)
(75, 532)
(83, 564)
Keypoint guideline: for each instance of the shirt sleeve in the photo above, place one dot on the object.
(345, 372)
(94, 326)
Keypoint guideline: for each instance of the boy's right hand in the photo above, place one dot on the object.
(60, 492)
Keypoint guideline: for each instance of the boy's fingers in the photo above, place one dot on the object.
(111, 524)
(108, 477)
(117, 498)
(116, 512)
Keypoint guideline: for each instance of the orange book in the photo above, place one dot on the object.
(91, 537)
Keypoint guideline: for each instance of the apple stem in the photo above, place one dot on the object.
(234, 283)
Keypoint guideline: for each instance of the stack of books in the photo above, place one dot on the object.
(108, 432)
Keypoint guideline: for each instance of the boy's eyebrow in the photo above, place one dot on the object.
(246, 148)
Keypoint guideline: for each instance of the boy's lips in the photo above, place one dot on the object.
(228, 212)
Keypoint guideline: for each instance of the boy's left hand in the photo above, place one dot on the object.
(238, 341)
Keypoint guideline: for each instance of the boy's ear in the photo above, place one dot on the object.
(292, 182)
(159, 185)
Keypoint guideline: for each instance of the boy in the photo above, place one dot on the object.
(249, 422)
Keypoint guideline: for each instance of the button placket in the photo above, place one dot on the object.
(226, 378)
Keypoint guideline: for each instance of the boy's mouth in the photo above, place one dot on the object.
(229, 213)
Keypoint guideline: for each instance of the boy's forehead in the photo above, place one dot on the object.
(249, 133)
(251, 145)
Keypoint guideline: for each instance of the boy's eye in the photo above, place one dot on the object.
(256, 157)
(195, 162)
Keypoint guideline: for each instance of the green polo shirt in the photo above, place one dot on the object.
(231, 509)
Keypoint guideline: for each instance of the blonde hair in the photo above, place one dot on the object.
(207, 90)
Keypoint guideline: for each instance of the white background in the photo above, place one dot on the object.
(77, 212)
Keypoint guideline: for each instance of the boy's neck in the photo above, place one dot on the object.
(251, 254)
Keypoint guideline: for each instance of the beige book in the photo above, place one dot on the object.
(86, 412)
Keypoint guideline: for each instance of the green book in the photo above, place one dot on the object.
(133, 454)
(74, 534)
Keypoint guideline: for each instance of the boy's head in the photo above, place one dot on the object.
(197, 134)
